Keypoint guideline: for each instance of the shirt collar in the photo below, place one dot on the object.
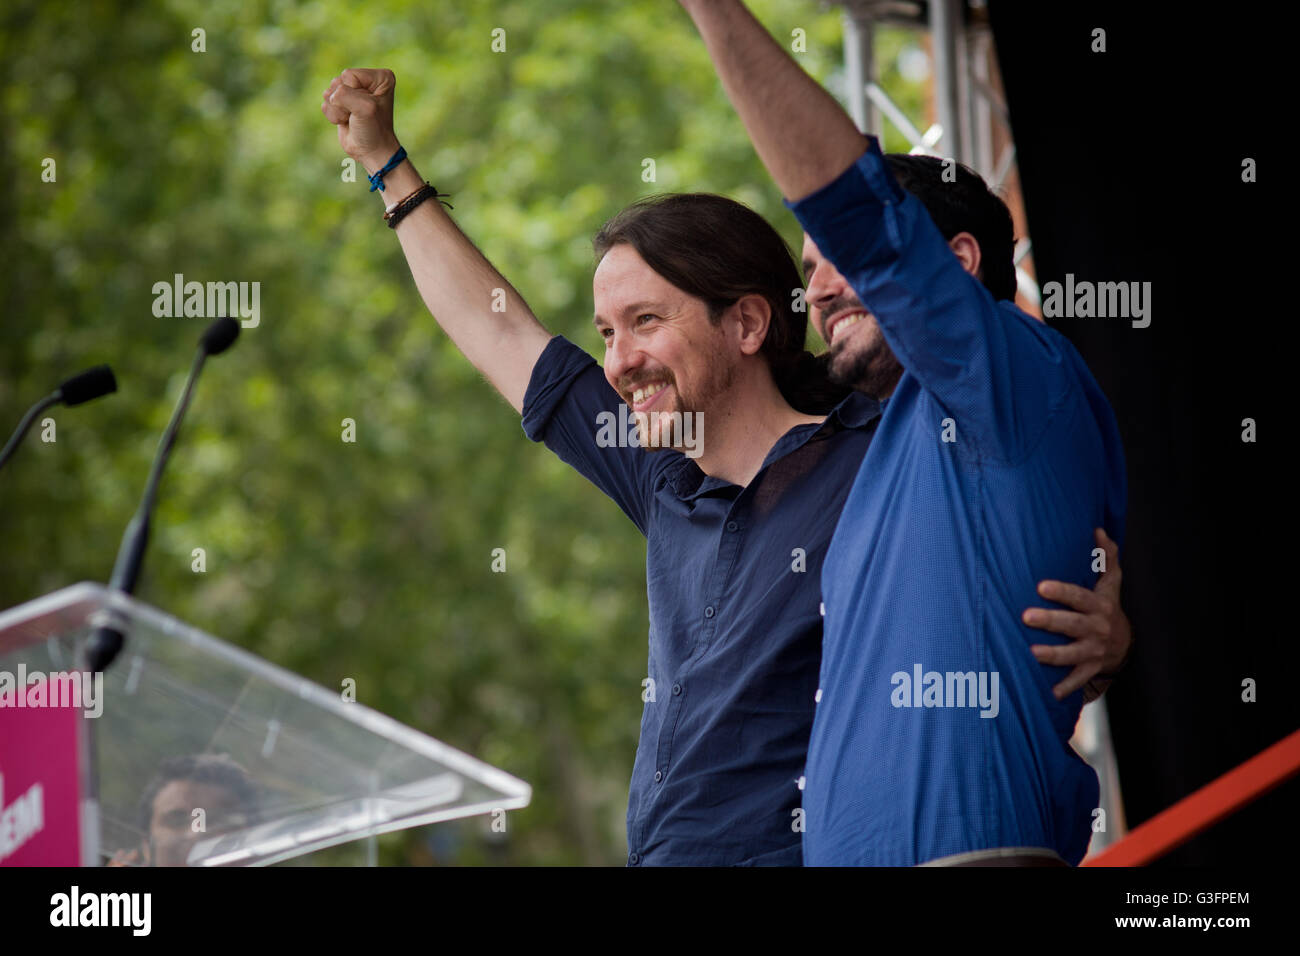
(858, 410)
(855, 411)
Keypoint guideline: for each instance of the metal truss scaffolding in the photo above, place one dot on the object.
(971, 120)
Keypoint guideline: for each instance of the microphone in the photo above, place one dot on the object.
(107, 640)
(90, 384)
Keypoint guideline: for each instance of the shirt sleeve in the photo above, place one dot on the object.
(1095, 688)
(571, 408)
(997, 371)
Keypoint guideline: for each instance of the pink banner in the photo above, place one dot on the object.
(40, 791)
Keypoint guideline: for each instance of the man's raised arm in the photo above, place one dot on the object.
(804, 138)
(943, 325)
(461, 288)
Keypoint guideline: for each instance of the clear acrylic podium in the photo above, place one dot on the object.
(204, 754)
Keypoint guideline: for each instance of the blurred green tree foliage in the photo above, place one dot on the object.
(370, 560)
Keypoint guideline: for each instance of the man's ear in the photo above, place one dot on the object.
(967, 249)
(753, 316)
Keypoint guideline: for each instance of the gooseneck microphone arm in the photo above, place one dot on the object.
(130, 555)
(16, 438)
(91, 383)
(106, 642)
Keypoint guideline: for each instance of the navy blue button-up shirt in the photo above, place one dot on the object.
(733, 579)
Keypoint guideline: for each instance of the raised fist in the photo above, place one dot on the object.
(360, 104)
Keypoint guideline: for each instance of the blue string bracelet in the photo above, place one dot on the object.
(377, 180)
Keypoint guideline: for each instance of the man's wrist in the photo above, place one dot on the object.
(377, 159)
(400, 183)
(1111, 672)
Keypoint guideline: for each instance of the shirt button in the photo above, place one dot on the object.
(818, 698)
(800, 783)
(633, 858)
(822, 608)
(677, 688)
(659, 775)
(708, 611)
(732, 526)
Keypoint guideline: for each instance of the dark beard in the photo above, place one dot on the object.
(874, 371)
(718, 382)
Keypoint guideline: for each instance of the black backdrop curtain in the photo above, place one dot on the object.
(1131, 165)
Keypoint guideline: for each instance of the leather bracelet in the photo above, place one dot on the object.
(390, 208)
(399, 211)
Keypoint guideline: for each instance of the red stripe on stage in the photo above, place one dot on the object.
(1196, 812)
